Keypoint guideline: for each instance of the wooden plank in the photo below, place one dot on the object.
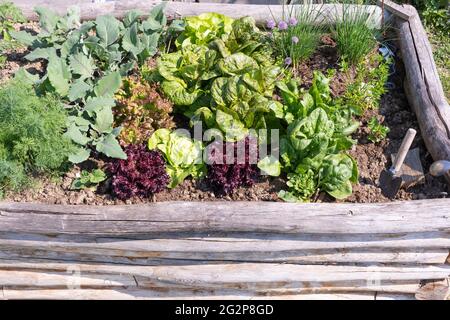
(205, 250)
(398, 10)
(126, 294)
(254, 276)
(397, 217)
(434, 290)
(327, 14)
(65, 280)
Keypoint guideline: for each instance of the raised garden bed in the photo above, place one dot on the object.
(394, 244)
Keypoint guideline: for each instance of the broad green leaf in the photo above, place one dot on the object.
(108, 85)
(74, 133)
(108, 29)
(178, 94)
(81, 155)
(104, 120)
(236, 64)
(94, 105)
(82, 65)
(23, 37)
(131, 17)
(110, 147)
(157, 14)
(78, 90)
(47, 19)
(58, 75)
(131, 41)
(41, 53)
(23, 76)
(234, 129)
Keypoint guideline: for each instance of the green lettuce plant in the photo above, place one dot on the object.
(86, 62)
(183, 155)
(204, 28)
(227, 83)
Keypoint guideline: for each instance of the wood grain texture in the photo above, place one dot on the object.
(328, 12)
(344, 218)
(223, 250)
(423, 86)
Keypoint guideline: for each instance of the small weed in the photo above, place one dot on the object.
(378, 132)
(88, 179)
(369, 84)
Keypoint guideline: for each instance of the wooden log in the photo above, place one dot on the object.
(342, 218)
(423, 86)
(434, 290)
(245, 276)
(398, 10)
(127, 294)
(207, 250)
(328, 13)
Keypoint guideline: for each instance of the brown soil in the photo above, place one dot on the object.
(372, 158)
(15, 58)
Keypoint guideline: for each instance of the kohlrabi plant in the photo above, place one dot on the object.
(86, 63)
(88, 179)
(183, 155)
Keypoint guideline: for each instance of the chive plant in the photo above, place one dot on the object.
(354, 31)
(297, 36)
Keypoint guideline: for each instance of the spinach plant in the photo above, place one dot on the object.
(318, 134)
(86, 63)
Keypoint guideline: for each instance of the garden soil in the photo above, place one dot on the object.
(371, 158)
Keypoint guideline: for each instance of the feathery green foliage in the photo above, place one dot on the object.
(31, 135)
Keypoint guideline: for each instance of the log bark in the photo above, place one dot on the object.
(89, 11)
(342, 218)
(423, 86)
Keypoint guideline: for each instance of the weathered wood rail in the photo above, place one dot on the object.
(422, 84)
(224, 250)
(240, 250)
(90, 10)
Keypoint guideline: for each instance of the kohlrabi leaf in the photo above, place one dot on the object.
(82, 65)
(110, 147)
(108, 85)
(108, 29)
